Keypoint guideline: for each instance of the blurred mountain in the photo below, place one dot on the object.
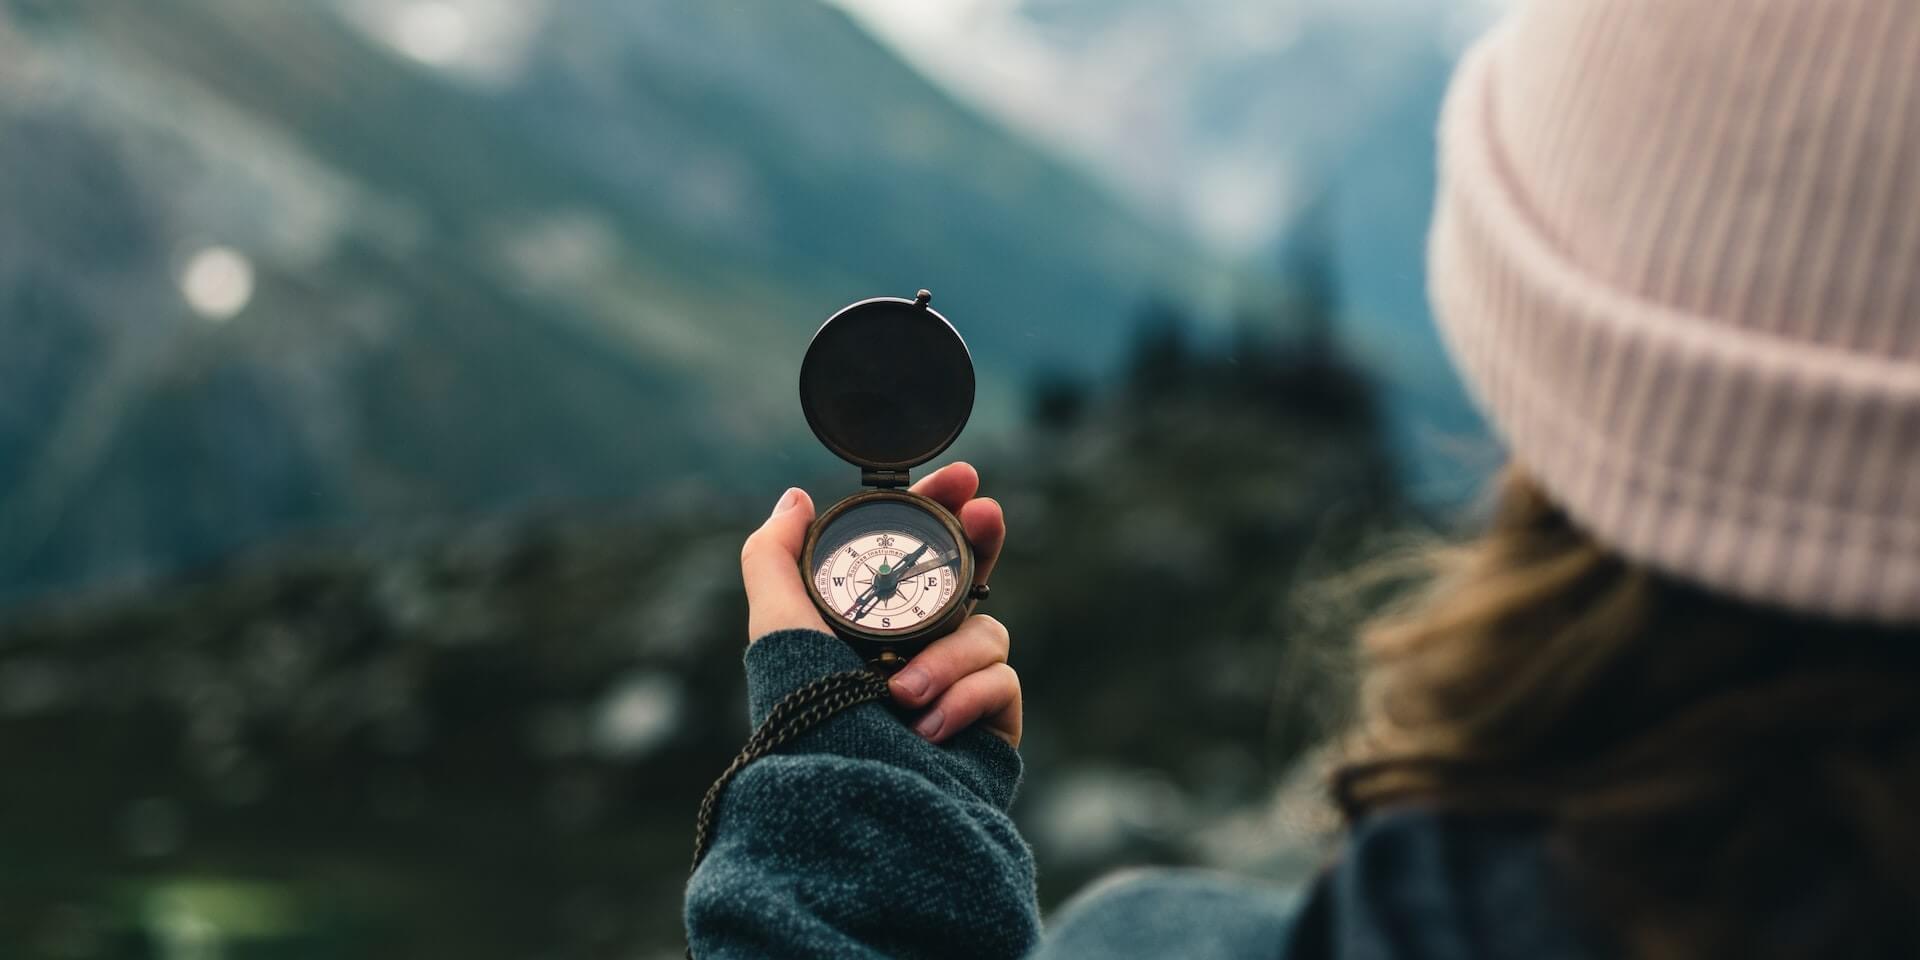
(489, 741)
(279, 267)
(1249, 122)
(1222, 115)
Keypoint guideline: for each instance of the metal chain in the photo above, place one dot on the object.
(795, 714)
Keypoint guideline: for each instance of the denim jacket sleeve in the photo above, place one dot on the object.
(860, 839)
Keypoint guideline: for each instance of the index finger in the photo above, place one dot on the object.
(953, 486)
(986, 529)
(950, 486)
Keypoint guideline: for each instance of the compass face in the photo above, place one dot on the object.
(886, 566)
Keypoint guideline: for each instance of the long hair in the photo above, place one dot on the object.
(1717, 778)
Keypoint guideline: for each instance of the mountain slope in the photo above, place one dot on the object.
(589, 279)
(1260, 125)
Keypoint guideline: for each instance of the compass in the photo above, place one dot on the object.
(887, 384)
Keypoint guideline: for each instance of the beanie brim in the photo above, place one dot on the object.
(1783, 472)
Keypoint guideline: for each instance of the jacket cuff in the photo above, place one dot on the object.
(786, 660)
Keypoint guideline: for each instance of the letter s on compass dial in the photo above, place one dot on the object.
(889, 567)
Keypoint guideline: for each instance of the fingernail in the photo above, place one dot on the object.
(912, 681)
(786, 501)
(930, 724)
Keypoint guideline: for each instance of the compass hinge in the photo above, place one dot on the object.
(885, 478)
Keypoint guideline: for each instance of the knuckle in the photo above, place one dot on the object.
(752, 547)
(994, 630)
(945, 662)
(991, 626)
(1008, 677)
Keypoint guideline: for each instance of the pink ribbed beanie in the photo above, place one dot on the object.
(1676, 255)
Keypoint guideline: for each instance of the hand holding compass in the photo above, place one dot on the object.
(887, 384)
(958, 680)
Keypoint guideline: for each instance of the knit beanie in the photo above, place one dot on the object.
(1676, 256)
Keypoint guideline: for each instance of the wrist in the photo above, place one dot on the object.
(783, 661)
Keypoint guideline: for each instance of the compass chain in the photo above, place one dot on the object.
(793, 715)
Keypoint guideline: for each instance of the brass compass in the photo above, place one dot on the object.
(887, 384)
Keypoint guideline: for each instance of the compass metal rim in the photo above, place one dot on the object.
(871, 643)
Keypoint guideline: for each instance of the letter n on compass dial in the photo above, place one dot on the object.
(886, 580)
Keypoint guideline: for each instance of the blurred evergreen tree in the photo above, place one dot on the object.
(1059, 400)
(1161, 355)
(1156, 547)
(1309, 280)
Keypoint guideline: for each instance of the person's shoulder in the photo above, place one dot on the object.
(1444, 886)
(1173, 913)
(1411, 883)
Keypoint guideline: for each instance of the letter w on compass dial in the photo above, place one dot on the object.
(886, 579)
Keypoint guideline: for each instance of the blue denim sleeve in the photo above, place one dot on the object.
(860, 839)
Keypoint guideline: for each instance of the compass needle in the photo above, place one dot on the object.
(934, 564)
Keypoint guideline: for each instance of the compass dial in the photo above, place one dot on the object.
(886, 567)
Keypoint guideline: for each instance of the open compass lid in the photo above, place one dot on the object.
(887, 383)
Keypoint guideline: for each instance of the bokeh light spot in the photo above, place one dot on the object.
(217, 283)
(638, 712)
(433, 33)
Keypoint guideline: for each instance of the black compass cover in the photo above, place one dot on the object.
(887, 383)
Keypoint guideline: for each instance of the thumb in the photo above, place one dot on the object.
(770, 568)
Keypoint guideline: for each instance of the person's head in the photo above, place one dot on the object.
(1676, 257)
